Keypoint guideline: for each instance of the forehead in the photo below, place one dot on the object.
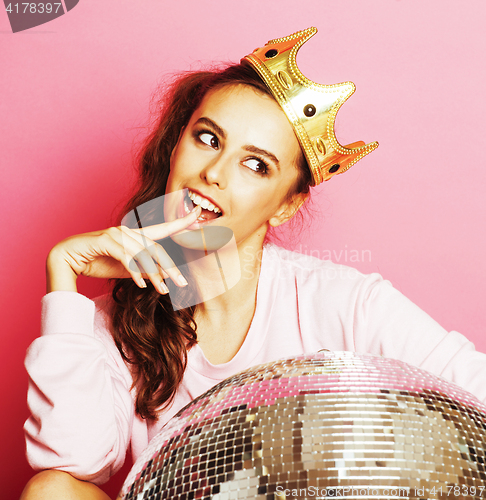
(239, 97)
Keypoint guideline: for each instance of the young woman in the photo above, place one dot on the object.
(107, 374)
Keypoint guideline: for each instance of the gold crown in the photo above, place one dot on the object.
(310, 107)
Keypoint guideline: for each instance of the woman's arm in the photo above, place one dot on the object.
(79, 387)
(79, 392)
(388, 323)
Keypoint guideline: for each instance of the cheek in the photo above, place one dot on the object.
(185, 161)
(170, 181)
(257, 207)
(174, 160)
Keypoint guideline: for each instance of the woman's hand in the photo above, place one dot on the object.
(117, 252)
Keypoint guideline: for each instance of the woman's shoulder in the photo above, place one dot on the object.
(312, 261)
(310, 274)
(75, 313)
(103, 330)
(71, 319)
(103, 307)
(103, 327)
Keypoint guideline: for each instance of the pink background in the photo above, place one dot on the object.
(74, 101)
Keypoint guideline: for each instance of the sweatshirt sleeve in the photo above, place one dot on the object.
(388, 323)
(79, 392)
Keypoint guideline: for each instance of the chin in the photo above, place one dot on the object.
(206, 238)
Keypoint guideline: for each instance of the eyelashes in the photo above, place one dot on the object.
(260, 164)
(208, 138)
(254, 163)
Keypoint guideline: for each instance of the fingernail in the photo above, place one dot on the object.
(196, 208)
(141, 283)
(181, 280)
(162, 287)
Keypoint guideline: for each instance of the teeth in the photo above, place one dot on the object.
(204, 202)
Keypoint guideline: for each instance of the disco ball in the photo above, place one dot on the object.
(333, 424)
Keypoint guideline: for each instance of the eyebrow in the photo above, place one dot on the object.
(262, 152)
(249, 147)
(206, 121)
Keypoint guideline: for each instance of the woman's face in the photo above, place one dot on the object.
(239, 152)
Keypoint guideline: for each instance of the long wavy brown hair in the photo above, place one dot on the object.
(150, 335)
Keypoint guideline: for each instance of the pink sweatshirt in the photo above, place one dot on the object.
(83, 418)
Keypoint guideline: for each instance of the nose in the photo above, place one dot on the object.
(217, 171)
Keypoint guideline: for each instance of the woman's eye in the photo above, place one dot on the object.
(258, 166)
(209, 139)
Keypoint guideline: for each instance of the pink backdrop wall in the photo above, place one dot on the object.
(74, 97)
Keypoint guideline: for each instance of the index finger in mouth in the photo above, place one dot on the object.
(165, 229)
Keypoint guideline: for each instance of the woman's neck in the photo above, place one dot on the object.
(224, 320)
(226, 280)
